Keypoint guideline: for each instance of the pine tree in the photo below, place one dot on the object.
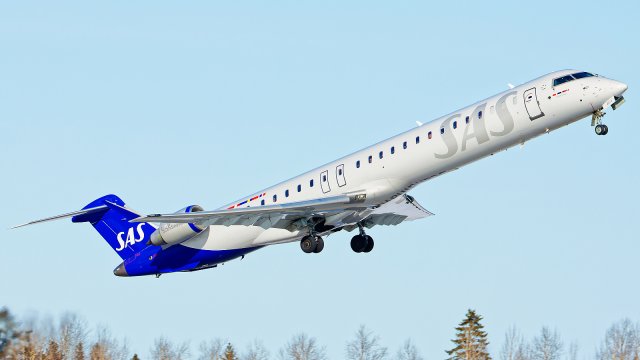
(471, 341)
(230, 353)
(53, 351)
(78, 353)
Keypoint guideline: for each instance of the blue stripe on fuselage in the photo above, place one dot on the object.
(155, 260)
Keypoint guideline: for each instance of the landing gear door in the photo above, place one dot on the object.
(324, 181)
(532, 104)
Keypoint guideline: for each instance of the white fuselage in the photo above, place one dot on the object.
(466, 135)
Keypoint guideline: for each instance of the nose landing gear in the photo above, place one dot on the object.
(602, 129)
(596, 120)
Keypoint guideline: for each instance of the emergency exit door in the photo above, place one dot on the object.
(532, 104)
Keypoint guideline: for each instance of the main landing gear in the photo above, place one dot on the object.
(312, 244)
(362, 242)
(596, 120)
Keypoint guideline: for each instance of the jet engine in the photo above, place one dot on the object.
(168, 234)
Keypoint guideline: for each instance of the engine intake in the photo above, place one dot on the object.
(169, 234)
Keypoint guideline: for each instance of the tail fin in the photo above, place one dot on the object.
(112, 222)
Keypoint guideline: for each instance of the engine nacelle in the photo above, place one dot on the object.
(168, 234)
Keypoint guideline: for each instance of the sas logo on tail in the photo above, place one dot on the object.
(131, 237)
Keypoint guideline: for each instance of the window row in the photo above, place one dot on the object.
(298, 188)
(405, 144)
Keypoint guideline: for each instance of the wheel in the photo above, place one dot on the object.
(308, 244)
(369, 246)
(599, 129)
(358, 243)
(606, 130)
(319, 244)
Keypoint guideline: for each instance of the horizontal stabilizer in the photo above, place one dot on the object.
(93, 210)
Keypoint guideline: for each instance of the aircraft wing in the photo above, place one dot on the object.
(281, 215)
(402, 208)
(284, 216)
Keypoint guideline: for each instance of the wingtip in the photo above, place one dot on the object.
(19, 226)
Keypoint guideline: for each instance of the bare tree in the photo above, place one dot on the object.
(547, 345)
(303, 347)
(572, 353)
(71, 331)
(365, 346)
(163, 349)
(107, 347)
(408, 351)
(256, 351)
(211, 350)
(514, 346)
(621, 342)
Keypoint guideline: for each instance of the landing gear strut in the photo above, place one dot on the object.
(596, 120)
(362, 242)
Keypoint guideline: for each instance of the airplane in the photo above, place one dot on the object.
(356, 192)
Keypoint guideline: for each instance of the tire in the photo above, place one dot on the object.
(358, 243)
(606, 130)
(308, 244)
(369, 246)
(599, 129)
(319, 245)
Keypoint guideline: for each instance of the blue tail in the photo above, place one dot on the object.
(112, 222)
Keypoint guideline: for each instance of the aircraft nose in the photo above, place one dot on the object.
(120, 270)
(619, 87)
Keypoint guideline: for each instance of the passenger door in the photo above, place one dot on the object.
(532, 104)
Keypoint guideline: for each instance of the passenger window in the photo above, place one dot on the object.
(358, 164)
(430, 135)
(370, 159)
(441, 130)
(262, 202)
(286, 193)
(404, 145)
(275, 198)
(466, 120)
(393, 150)
(311, 183)
(479, 114)
(381, 155)
(417, 139)
(299, 187)
(455, 124)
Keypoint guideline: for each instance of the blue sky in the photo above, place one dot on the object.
(173, 103)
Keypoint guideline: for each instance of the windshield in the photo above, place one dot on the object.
(567, 78)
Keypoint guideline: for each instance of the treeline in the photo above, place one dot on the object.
(70, 338)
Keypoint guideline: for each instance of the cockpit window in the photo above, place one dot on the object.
(581, 75)
(567, 78)
(562, 80)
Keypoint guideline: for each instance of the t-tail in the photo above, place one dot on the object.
(109, 216)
